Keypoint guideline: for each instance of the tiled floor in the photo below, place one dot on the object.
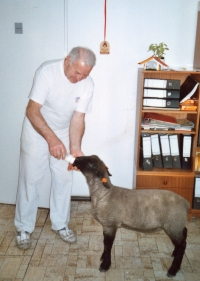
(135, 256)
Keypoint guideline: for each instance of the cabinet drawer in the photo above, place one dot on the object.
(180, 185)
(148, 181)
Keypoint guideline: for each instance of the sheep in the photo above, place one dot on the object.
(141, 210)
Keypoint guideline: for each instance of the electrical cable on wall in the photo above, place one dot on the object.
(105, 46)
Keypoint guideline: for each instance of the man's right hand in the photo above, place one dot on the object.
(57, 148)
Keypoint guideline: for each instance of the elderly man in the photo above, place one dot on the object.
(54, 125)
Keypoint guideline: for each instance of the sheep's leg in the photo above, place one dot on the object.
(178, 255)
(176, 245)
(106, 256)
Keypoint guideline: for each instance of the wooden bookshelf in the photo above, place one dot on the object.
(177, 180)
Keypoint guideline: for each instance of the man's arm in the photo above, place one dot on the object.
(56, 147)
(76, 131)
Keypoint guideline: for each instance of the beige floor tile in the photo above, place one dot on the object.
(131, 250)
(134, 274)
(81, 261)
(6, 241)
(128, 262)
(115, 274)
(54, 274)
(10, 267)
(88, 274)
(35, 273)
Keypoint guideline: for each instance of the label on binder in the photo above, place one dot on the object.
(155, 145)
(165, 145)
(174, 145)
(187, 146)
(146, 147)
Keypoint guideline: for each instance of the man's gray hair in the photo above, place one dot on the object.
(84, 54)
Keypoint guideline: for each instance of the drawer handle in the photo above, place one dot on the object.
(165, 182)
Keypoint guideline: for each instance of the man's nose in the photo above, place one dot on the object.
(79, 77)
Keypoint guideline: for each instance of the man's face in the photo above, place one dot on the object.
(76, 71)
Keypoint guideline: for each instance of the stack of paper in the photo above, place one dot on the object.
(156, 121)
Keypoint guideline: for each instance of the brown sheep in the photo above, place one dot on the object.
(141, 210)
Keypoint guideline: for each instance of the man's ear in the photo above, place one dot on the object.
(67, 60)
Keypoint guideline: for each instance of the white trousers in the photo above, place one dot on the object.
(34, 159)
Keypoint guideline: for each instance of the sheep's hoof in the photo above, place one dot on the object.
(169, 275)
(104, 267)
(172, 272)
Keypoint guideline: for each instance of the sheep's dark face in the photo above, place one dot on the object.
(92, 165)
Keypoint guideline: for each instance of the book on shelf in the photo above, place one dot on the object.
(160, 117)
(188, 88)
(189, 105)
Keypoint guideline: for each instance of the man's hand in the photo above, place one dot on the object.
(57, 148)
(75, 154)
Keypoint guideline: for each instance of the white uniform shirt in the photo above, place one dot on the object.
(58, 96)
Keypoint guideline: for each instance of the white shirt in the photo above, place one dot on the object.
(58, 96)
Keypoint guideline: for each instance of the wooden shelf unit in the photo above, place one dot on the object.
(177, 180)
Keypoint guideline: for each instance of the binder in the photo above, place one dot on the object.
(196, 196)
(159, 93)
(155, 146)
(162, 83)
(186, 144)
(147, 163)
(166, 154)
(165, 103)
(174, 148)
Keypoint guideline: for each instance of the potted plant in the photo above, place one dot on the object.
(158, 49)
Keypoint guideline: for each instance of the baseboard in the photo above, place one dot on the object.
(80, 198)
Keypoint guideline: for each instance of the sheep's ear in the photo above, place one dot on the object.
(105, 183)
(109, 173)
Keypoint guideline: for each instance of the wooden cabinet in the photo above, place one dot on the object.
(177, 180)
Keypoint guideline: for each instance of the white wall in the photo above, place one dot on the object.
(20, 56)
(131, 27)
